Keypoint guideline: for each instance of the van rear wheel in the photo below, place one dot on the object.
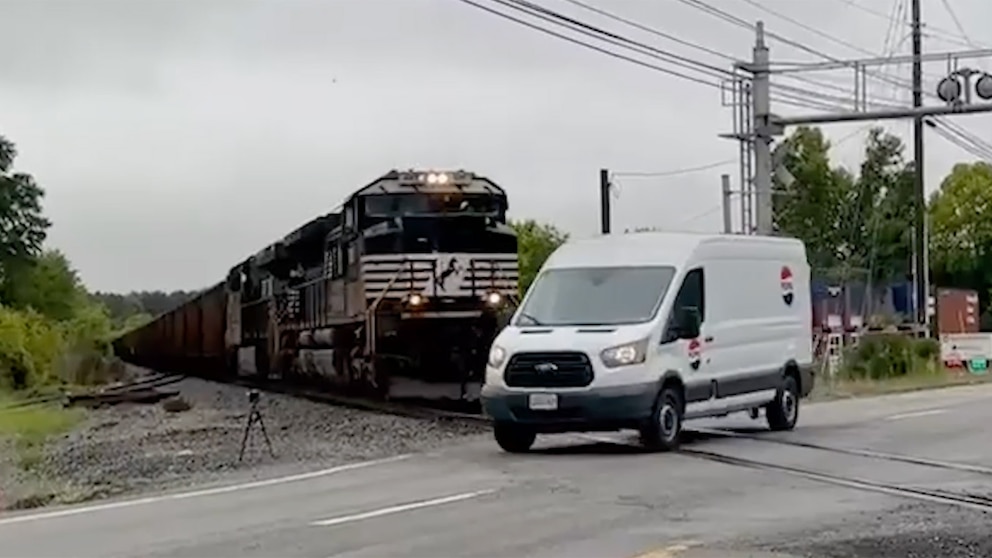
(783, 412)
(662, 432)
(513, 438)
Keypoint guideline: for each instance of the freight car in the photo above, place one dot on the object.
(396, 295)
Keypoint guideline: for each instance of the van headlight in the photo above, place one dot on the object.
(497, 355)
(625, 355)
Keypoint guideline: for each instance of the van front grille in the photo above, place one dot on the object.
(548, 370)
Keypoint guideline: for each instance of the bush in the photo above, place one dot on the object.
(30, 348)
(890, 355)
(927, 349)
(37, 351)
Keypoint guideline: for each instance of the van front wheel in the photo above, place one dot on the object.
(662, 432)
(783, 412)
(513, 438)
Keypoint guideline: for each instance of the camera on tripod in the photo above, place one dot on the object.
(254, 417)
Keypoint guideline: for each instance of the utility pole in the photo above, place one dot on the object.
(921, 273)
(725, 184)
(604, 200)
(954, 91)
(761, 111)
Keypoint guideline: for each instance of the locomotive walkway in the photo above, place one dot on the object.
(576, 496)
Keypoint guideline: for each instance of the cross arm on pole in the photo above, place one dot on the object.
(776, 124)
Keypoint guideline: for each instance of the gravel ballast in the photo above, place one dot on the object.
(137, 447)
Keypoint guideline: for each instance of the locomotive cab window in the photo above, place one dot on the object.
(349, 216)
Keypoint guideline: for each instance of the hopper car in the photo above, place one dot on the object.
(397, 294)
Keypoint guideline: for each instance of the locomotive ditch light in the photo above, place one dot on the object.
(415, 299)
(493, 298)
(437, 178)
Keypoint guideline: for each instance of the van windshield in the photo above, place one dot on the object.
(596, 296)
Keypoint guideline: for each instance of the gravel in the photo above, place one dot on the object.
(909, 531)
(135, 447)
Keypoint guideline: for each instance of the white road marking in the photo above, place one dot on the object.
(669, 551)
(402, 508)
(915, 414)
(200, 493)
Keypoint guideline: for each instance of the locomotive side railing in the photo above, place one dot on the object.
(370, 314)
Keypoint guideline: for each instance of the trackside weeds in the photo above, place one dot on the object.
(135, 447)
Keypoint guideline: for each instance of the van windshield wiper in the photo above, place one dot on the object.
(534, 321)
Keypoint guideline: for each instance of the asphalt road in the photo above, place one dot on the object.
(595, 496)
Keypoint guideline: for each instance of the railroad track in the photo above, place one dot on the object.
(119, 391)
(159, 380)
(422, 410)
(969, 501)
(976, 502)
(871, 454)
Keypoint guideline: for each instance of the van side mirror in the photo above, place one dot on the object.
(689, 322)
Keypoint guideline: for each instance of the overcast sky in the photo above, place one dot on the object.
(174, 137)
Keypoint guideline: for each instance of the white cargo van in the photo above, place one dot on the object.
(643, 331)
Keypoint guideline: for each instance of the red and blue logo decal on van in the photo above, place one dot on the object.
(695, 353)
(788, 291)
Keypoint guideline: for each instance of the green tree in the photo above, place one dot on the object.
(810, 207)
(535, 242)
(121, 306)
(879, 224)
(960, 215)
(49, 285)
(23, 228)
(851, 225)
(134, 321)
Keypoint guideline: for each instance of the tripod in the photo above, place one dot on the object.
(254, 416)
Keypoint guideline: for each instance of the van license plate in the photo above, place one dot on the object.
(543, 401)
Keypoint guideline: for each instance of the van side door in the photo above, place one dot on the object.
(697, 375)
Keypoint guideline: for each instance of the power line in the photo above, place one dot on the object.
(968, 141)
(729, 17)
(957, 22)
(651, 30)
(962, 138)
(963, 134)
(971, 137)
(957, 141)
(591, 46)
(590, 30)
(800, 97)
(726, 16)
(675, 172)
(935, 31)
(898, 7)
(806, 27)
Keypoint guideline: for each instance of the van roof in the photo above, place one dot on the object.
(665, 248)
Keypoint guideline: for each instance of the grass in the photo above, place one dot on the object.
(30, 427)
(841, 388)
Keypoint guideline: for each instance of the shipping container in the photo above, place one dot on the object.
(957, 311)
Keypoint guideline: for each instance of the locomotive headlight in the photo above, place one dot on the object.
(493, 298)
(437, 178)
(496, 356)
